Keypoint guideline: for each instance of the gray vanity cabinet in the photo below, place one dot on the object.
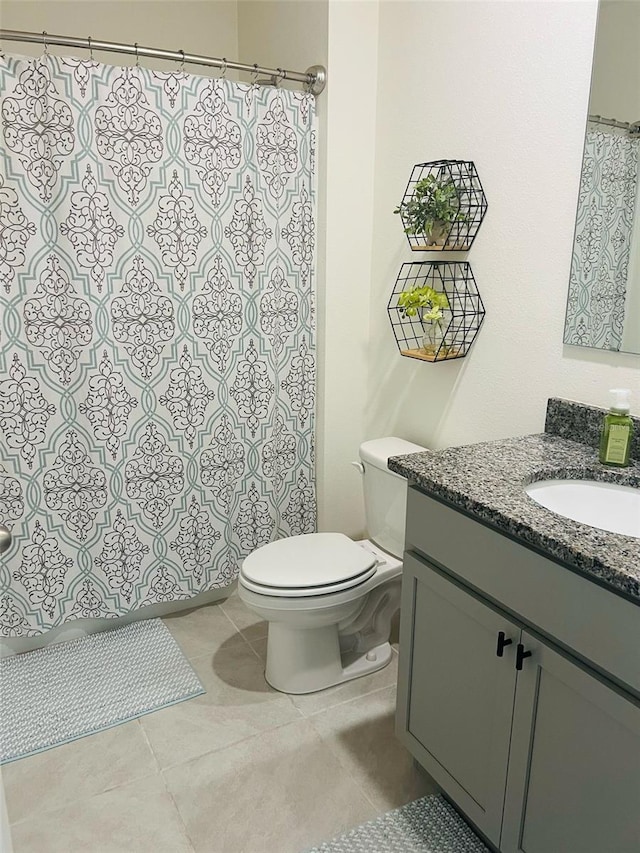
(459, 707)
(544, 758)
(574, 765)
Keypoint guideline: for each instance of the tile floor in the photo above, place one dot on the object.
(242, 769)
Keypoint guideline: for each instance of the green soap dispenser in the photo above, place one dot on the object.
(617, 429)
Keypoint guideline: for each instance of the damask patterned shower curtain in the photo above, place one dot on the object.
(601, 252)
(157, 372)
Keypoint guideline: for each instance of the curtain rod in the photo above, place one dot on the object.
(314, 77)
(632, 127)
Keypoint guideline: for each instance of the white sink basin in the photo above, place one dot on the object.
(606, 506)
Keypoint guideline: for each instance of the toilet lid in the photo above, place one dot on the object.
(309, 564)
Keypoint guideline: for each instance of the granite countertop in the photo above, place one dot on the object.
(487, 481)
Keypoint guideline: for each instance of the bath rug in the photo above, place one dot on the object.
(428, 825)
(69, 690)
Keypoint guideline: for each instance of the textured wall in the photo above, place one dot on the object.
(505, 85)
(344, 36)
(615, 89)
(209, 28)
(413, 81)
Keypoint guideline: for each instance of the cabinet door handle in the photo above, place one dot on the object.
(502, 642)
(521, 655)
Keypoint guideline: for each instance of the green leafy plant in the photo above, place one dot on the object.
(411, 301)
(428, 304)
(434, 205)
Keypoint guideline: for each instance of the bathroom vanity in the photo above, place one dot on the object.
(519, 681)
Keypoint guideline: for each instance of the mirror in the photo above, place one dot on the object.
(603, 306)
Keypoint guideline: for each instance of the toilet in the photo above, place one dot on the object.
(329, 600)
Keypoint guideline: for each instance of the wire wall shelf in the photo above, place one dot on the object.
(457, 302)
(464, 211)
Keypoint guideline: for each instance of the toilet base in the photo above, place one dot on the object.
(304, 660)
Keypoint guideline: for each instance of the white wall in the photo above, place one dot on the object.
(351, 135)
(615, 88)
(208, 27)
(289, 34)
(344, 36)
(505, 85)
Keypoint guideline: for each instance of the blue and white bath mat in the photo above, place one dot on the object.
(428, 825)
(66, 691)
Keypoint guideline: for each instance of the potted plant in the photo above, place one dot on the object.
(431, 210)
(428, 304)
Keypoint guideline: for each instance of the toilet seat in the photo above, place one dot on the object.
(307, 565)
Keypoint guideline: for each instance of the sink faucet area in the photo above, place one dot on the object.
(510, 484)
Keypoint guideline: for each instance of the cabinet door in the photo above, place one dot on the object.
(455, 694)
(574, 769)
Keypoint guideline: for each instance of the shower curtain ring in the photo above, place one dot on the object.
(224, 68)
(282, 75)
(90, 48)
(44, 43)
(181, 52)
(254, 74)
(137, 55)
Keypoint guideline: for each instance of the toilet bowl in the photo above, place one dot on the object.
(329, 600)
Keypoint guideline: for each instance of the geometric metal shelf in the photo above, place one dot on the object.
(458, 235)
(452, 335)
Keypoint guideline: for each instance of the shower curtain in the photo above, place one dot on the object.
(157, 362)
(600, 262)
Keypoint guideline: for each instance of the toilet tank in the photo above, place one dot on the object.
(385, 493)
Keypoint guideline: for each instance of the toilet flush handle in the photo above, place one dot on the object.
(359, 466)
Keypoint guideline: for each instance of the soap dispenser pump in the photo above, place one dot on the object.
(617, 429)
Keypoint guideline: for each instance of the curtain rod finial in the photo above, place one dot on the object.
(317, 78)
